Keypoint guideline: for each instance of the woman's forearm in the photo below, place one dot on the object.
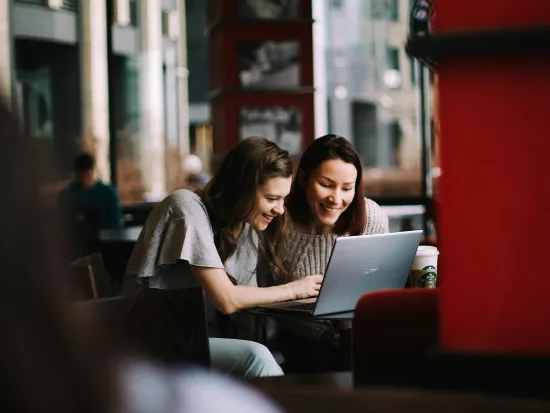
(229, 298)
(245, 297)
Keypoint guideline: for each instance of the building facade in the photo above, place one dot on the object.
(370, 89)
(104, 76)
(365, 87)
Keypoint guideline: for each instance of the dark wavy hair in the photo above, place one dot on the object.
(231, 193)
(354, 219)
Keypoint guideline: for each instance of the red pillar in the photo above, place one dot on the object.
(495, 188)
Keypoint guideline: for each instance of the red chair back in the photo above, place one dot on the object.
(392, 332)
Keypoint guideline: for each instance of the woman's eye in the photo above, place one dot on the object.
(347, 189)
(325, 185)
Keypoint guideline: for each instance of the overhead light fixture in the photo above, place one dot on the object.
(392, 79)
(341, 92)
(55, 4)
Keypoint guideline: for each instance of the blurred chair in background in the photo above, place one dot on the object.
(165, 326)
(92, 279)
(81, 227)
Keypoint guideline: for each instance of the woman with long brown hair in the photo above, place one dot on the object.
(215, 238)
(326, 201)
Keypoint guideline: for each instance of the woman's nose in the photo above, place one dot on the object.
(279, 209)
(336, 197)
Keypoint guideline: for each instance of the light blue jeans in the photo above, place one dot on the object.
(242, 358)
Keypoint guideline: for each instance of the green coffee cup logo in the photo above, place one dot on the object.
(428, 278)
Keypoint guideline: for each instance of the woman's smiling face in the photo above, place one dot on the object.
(269, 202)
(329, 191)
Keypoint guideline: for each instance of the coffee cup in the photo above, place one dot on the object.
(424, 267)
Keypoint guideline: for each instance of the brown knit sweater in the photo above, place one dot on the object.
(308, 254)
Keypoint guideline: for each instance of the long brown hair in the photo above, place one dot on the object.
(353, 220)
(231, 193)
(50, 358)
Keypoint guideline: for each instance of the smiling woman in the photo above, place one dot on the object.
(270, 199)
(326, 201)
(329, 192)
(212, 238)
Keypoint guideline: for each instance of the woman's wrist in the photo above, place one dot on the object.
(290, 294)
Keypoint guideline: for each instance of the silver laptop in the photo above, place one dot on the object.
(357, 265)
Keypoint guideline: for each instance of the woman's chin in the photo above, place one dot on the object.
(260, 226)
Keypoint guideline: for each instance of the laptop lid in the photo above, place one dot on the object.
(363, 264)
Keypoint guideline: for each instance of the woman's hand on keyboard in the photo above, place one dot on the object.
(306, 287)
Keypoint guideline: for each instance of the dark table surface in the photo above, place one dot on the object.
(336, 380)
(319, 399)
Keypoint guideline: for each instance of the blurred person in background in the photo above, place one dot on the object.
(55, 359)
(192, 168)
(326, 201)
(88, 192)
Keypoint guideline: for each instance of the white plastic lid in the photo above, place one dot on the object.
(425, 250)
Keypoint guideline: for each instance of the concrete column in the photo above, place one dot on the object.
(94, 82)
(5, 52)
(152, 146)
(171, 99)
(320, 28)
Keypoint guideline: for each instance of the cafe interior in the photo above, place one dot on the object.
(432, 94)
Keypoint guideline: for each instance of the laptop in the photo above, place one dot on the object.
(357, 265)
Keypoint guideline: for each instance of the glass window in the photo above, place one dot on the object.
(127, 123)
(146, 99)
(385, 9)
(394, 61)
(378, 113)
(133, 13)
(198, 52)
(47, 95)
(164, 23)
(412, 68)
(394, 10)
